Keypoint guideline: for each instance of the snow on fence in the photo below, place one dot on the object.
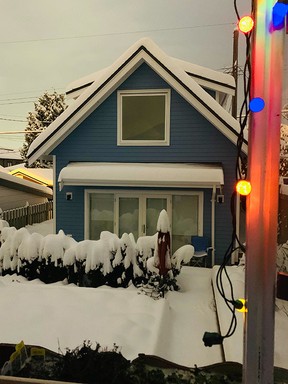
(28, 215)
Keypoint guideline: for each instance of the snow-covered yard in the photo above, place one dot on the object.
(63, 316)
(56, 316)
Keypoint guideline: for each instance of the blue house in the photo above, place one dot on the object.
(147, 133)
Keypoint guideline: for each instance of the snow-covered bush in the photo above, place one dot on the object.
(28, 256)
(7, 232)
(5, 256)
(182, 255)
(11, 240)
(113, 261)
(51, 254)
(146, 245)
(3, 224)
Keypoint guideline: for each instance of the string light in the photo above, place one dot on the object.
(246, 24)
(240, 305)
(279, 13)
(243, 187)
(257, 104)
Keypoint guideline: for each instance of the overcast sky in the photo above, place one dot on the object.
(45, 45)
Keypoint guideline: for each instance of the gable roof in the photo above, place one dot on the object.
(143, 51)
(205, 77)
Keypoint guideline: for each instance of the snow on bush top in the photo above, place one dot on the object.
(163, 224)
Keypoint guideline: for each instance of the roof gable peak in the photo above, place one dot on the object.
(144, 50)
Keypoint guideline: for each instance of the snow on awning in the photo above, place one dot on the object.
(142, 175)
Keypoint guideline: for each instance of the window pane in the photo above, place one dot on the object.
(143, 117)
(101, 214)
(129, 216)
(184, 219)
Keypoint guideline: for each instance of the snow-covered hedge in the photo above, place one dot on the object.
(111, 260)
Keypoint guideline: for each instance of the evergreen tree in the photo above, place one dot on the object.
(47, 109)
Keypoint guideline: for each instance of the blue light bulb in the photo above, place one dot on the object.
(278, 15)
(256, 104)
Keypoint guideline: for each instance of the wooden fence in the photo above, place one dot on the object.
(28, 215)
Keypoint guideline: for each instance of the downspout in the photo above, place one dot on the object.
(213, 200)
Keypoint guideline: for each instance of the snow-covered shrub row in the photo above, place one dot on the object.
(110, 260)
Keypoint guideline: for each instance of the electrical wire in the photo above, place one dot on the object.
(240, 173)
(115, 33)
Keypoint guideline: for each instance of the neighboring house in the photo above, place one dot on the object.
(145, 134)
(16, 193)
(9, 157)
(42, 176)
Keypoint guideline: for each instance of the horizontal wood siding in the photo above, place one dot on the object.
(13, 198)
(193, 139)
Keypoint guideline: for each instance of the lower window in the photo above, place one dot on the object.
(137, 213)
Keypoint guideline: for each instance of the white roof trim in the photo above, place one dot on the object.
(155, 175)
(143, 51)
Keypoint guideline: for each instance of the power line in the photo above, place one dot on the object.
(33, 90)
(18, 102)
(19, 98)
(114, 33)
(20, 121)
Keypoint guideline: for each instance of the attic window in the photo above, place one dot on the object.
(143, 117)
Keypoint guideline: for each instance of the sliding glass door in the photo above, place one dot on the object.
(138, 213)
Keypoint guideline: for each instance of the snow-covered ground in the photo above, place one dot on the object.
(63, 316)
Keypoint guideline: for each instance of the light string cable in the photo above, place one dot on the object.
(240, 173)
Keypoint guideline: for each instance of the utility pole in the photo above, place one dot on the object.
(262, 203)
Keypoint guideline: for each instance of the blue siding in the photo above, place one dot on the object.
(192, 139)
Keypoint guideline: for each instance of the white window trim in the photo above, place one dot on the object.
(138, 193)
(144, 92)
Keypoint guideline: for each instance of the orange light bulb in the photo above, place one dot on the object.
(245, 24)
(243, 187)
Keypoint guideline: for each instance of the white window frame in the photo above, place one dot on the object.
(144, 92)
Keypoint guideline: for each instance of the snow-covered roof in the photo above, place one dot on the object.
(15, 166)
(10, 154)
(74, 89)
(142, 175)
(40, 175)
(205, 77)
(143, 51)
(11, 181)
